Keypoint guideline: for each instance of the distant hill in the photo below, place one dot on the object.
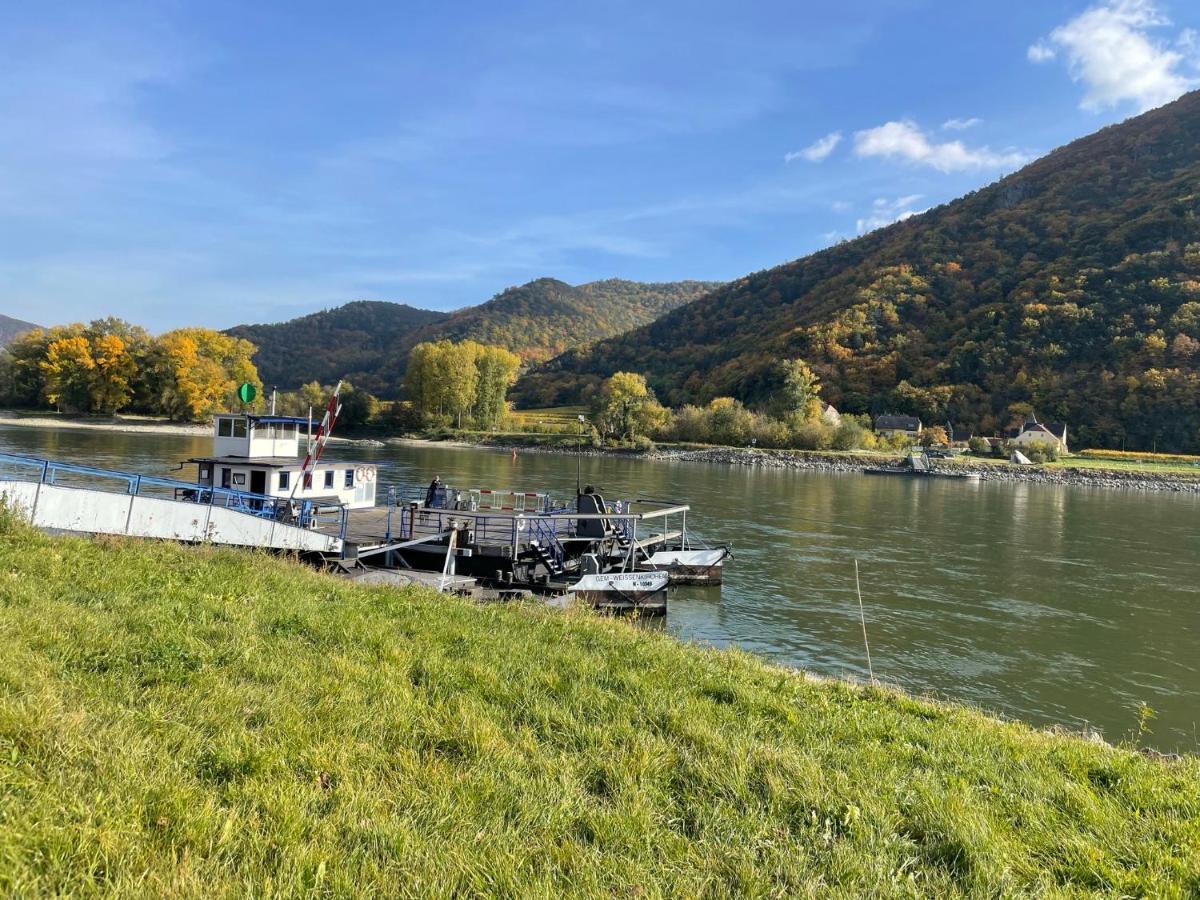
(368, 342)
(1071, 286)
(543, 318)
(353, 341)
(10, 328)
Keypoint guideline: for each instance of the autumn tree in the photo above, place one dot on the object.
(934, 436)
(465, 381)
(68, 369)
(625, 407)
(798, 395)
(112, 375)
(197, 371)
(497, 370)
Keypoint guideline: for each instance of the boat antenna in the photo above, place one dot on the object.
(862, 617)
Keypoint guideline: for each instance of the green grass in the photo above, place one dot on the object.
(198, 722)
(1129, 465)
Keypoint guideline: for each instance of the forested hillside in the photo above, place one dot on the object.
(354, 341)
(543, 318)
(10, 328)
(369, 342)
(1071, 287)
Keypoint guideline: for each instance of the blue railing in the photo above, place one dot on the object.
(545, 532)
(71, 475)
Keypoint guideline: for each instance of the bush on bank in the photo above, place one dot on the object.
(197, 722)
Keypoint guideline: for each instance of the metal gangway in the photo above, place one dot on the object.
(88, 500)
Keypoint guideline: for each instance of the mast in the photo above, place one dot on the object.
(317, 445)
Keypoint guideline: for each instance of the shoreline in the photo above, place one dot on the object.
(812, 461)
(856, 464)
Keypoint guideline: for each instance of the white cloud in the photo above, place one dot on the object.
(840, 206)
(1110, 50)
(904, 140)
(1040, 52)
(887, 212)
(818, 150)
(961, 124)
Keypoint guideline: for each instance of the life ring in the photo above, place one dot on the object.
(370, 470)
(360, 475)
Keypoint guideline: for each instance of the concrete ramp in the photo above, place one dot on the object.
(88, 511)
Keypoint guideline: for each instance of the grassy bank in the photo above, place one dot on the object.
(191, 722)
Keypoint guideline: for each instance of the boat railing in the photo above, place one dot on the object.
(475, 499)
(545, 532)
(63, 474)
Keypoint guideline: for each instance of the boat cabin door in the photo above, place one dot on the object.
(258, 481)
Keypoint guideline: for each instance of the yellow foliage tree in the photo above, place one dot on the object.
(67, 370)
(198, 370)
(113, 372)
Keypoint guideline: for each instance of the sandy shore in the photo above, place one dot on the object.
(128, 424)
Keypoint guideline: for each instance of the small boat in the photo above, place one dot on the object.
(689, 566)
(920, 467)
(642, 592)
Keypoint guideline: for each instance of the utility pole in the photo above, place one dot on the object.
(578, 450)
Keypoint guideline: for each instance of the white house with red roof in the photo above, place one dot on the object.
(1035, 432)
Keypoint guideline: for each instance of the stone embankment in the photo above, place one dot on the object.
(857, 462)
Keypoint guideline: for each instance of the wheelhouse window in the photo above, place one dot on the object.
(329, 479)
(231, 426)
(206, 472)
(226, 474)
(239, 478)
(349, 480)
(285, 480)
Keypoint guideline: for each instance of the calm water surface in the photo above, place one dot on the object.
(1051, 604)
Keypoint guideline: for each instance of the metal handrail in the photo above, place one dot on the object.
(260, 505)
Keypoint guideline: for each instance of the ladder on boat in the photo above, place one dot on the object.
(553, 566)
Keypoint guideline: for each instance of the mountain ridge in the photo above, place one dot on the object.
(537, 320)
(10, 328)
(1063, 287)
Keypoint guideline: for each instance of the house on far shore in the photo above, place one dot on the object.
(959, 435)
(910, 426)
(1034, 432)
(829, 415)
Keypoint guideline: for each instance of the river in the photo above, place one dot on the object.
(1052, 604)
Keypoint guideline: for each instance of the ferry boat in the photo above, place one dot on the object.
(920, 466)
(263, 486)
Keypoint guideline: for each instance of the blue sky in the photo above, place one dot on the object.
(214, 163)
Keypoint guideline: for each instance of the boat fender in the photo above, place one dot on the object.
(520, 520)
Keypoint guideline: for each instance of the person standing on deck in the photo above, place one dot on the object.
(431, 494)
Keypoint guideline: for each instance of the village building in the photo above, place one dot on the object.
(829, 415)
(1035, 432)
(910, 426)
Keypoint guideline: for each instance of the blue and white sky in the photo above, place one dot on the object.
(222, 162)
